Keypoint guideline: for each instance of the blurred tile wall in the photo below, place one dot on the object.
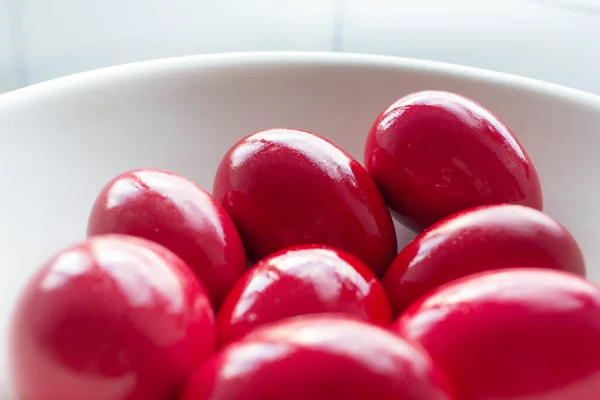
(554, 40)
(7, 66)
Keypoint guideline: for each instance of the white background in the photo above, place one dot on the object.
(553, 40)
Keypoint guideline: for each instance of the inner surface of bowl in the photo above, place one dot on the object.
(63, 140)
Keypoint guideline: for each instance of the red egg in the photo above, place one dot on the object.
(115, 317)
(302, 280)
(518, 334)
(477, 240)
(285, 187)
(319, 358)
(178, 214)
(436, 153)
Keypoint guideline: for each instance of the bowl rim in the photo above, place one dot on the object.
(136, 70)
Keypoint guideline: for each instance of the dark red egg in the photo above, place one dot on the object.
(319, 358)
(435, 153)
(285, 187)
(302, 280)
(115, 317)
(178, 214)
(515, 334)
(477, 240)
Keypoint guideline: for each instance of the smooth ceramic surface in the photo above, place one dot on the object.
(61, 141)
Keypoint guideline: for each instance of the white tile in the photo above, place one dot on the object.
(67, 36)
(555, 40)
(7, 76)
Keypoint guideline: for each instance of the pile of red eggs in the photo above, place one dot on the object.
(488, 302)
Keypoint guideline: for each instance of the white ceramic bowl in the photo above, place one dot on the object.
(62, 140)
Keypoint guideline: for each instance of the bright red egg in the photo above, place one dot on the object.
(319, 358)
(515, 334)
(115, 317)
(477, 240)
(302, 280)
(178, 214)
(435, 153)
(285, 187)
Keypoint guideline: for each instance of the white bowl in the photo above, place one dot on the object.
(62, 140)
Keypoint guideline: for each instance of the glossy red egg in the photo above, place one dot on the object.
(516, 334)
(302, 280)
(435, 153)
(178, 214)
(115, 317)
(285, 187)
(319, 358)
(477, 240)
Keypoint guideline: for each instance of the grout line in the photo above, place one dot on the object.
(15, 28)
(338, 25)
